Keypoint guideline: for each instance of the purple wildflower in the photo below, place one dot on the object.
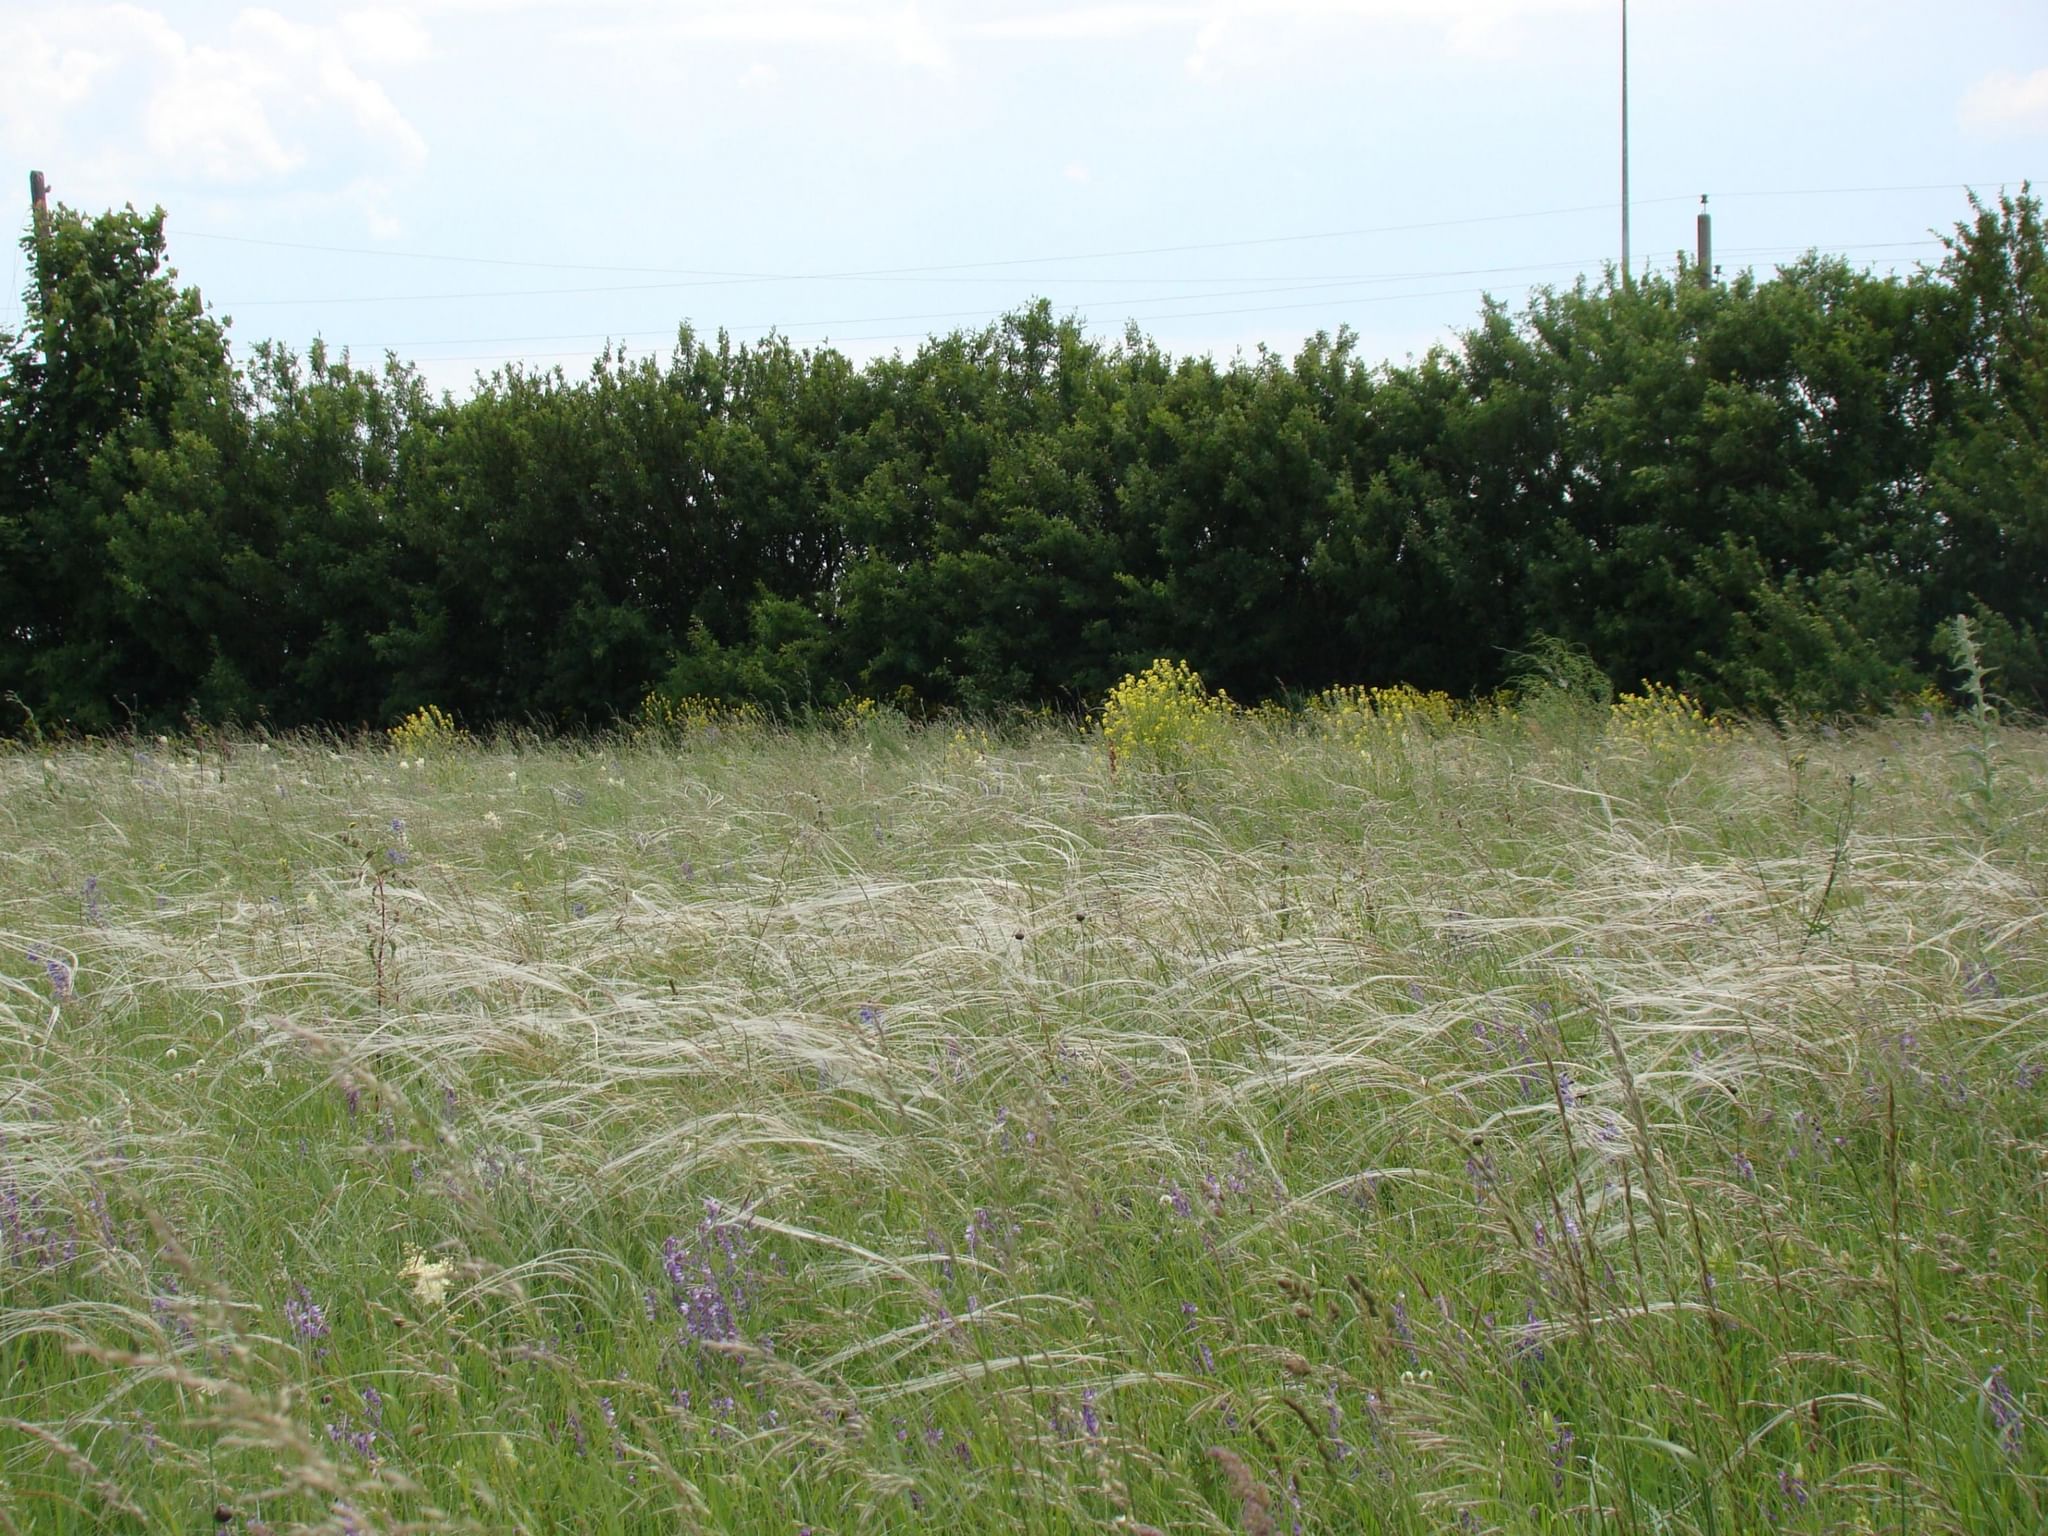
(708, 1276)
(362, 1439)
(171, 1307)
(2004, 1409)
(1189, 1311)
(1530, 1345)
(1560, 1455)
(1980, 981)
(1402, 1331)
(308, 1319)
(1090, 1420)
(1793, 1487)
(58, 972)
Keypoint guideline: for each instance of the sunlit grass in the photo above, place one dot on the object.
(1500, 1126)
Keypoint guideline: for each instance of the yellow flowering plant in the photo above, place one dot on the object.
(1662, 718)
(665, 718)
(426, 729)
(1164, 717)
(1359, 716)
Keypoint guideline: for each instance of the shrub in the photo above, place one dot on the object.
(1164, 717)
(662, 717)
(1556, 685)
(426, 729)
(1360, 716)
(1662, 719)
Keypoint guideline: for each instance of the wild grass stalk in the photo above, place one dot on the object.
(1374, 1124)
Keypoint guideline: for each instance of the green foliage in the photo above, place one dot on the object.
(118, 541)
(1811, 645)
(784, 661)
(1768, 492)
(1555, 682)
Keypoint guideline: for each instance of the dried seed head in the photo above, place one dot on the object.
(1255, 1510)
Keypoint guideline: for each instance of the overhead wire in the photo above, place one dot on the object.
(761, 327)
(709, 278)
(926, 270)
(726, 275)
(1005, 270)
(1316, 285)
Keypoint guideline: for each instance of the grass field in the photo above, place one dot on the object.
(1513, 1126)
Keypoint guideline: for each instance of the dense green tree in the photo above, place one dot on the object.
(1987, 493)
(1770, 490)
(119, 411)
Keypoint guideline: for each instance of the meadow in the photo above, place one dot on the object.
(1367, 1122)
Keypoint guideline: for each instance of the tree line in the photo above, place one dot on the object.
(1770, 491)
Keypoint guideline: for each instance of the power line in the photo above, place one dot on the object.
(699, 277)
(1337, 304)
(912, 271)
(754, 327)
(609, 288)
(956, 314)
(1195, 314)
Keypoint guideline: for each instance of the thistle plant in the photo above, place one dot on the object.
(1958, 638)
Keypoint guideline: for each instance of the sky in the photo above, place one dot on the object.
(468, 183)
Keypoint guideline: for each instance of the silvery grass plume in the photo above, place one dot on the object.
(836, 1128)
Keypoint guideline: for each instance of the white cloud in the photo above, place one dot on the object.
(901, 29)
(1076, 172)
(385, 36)
(760, 77)
(121, 88)
(1089, 23)
(2007, 103)
(1470, 26)
(46, 74)
(925, 33)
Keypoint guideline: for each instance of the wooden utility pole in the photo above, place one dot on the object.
(1706, 257)
(39, 198)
